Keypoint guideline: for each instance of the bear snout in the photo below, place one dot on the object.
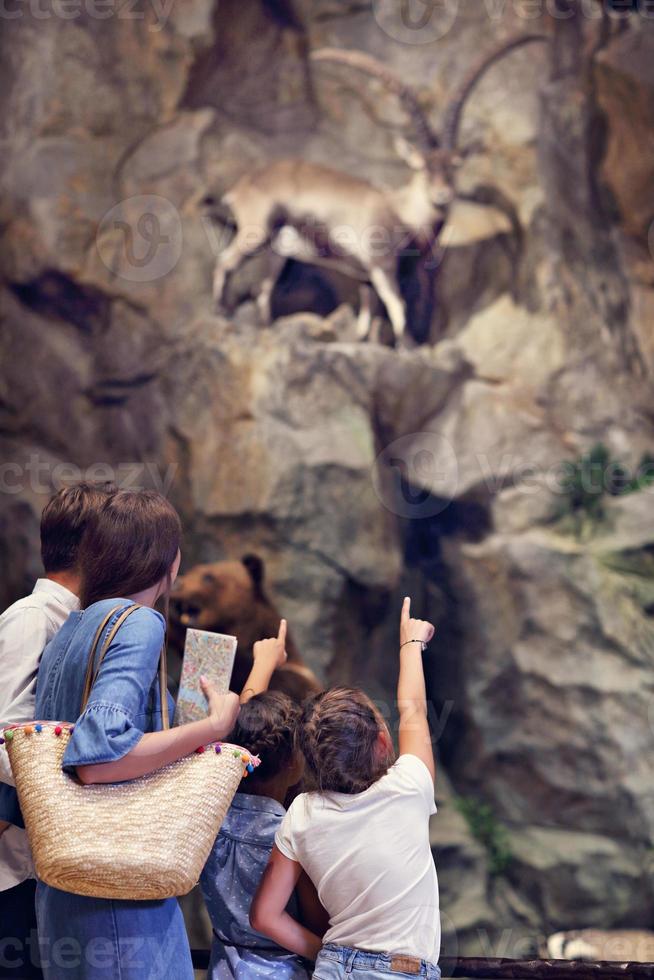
(184, 611)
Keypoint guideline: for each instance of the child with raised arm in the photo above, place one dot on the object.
(362, 836)
(267, 725)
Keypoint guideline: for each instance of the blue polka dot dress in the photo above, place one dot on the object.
(229, 881)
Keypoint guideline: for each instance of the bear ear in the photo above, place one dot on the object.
(255, 567)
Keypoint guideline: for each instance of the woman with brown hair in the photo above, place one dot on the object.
(130, 554)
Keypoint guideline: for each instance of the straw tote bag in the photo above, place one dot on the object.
(147, 838)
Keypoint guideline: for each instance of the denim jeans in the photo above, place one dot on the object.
(335, 962)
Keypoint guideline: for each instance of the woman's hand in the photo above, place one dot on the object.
(223, 708)
(413, 629)
(272, 652)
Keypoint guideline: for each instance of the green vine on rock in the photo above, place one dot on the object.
(485, 828)
(588, 481)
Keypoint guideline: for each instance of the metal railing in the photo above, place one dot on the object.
(496, 968)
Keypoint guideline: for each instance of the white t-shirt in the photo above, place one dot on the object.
(25, 628)
(369, 857)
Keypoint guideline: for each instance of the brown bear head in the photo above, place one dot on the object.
(229, 597)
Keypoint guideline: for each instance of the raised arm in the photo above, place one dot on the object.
(268, 913)
(267, 655)
(414, 734)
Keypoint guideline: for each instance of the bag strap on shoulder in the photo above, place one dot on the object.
(93, 668)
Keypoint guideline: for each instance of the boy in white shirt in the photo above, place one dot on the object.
(25, 629)
(363, 836)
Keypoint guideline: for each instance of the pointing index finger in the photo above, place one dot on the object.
(406, 609)
(281, 636)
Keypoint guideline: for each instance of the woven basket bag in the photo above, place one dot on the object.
(146, 838)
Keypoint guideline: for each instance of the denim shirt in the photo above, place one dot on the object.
(229, 881)
(124, 702)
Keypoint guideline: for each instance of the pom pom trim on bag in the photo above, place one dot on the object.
(250, 762)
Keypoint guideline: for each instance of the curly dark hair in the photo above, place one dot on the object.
(267, 726)
(339, 739)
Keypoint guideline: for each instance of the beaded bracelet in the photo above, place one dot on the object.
(422, 643)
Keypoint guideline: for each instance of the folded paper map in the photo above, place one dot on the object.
(205, 654)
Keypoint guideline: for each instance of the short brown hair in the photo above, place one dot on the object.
(64, 521)
(339, 739)
(130, 544)
(267, 725)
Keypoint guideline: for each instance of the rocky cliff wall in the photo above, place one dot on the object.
(360, 472)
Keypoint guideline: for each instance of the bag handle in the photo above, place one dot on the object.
(92, 675)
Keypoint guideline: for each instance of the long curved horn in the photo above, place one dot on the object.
(369, 65)
(456, 105)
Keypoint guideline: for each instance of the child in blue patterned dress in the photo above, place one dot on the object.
(267, 727)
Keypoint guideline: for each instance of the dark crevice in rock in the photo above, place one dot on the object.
(116, 391)
(7, 407)
(464, 519)
(358, 613)
(467, 518)
(55, 295)
(343, 10)
(285, 14)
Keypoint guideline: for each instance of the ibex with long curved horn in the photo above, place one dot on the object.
(341, 219)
